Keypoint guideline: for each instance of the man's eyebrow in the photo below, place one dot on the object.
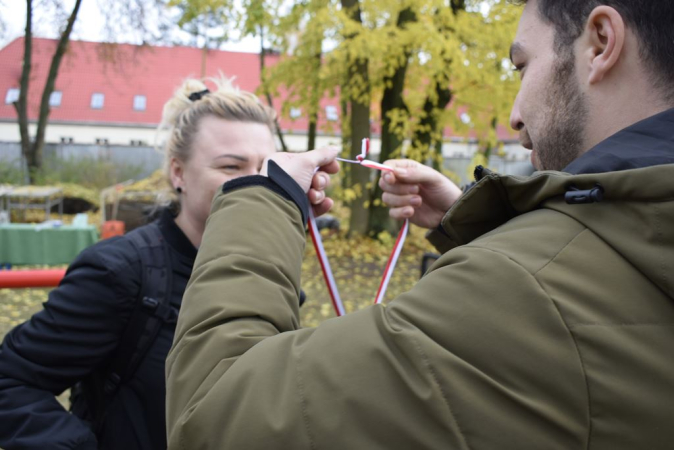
(515, 48)
(229, 155)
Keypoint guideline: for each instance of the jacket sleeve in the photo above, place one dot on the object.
(76, 331)
(241, 374)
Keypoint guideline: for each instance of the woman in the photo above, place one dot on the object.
(107, 328)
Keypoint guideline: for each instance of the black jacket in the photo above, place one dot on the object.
(75, 334)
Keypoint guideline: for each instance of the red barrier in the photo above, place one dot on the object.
(17, 279)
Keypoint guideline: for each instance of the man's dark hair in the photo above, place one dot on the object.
(651, 20)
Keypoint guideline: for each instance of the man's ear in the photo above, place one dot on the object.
(604, 40)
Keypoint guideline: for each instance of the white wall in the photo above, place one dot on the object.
(82, 134)
(122, 135)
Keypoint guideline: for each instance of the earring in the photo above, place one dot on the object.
(179, 190)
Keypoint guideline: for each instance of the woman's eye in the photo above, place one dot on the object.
(230, 167)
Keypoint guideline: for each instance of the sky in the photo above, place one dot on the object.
(88, 26)
(90, 23)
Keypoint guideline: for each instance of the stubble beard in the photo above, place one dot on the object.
(562, 135)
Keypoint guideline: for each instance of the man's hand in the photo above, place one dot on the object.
(302, 168)
(417, 192)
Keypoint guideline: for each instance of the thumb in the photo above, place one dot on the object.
(324, 155)
(410, 171)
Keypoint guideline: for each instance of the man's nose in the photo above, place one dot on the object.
(516, 122)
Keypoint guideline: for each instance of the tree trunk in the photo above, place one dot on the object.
(345, 126)
(390, 140)
(315, 102)
(279, 132)
(428, 137)
(21, 105)
(35, 163)
(360, 129)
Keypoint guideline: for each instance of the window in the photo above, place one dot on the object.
(67, 140)
(101, 141)
(12, 95)
(97, 101)
(331, 113)
(139, 103)
(295, 113)
(55, 98)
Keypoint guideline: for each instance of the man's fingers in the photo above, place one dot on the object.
(401, 163)
(323, 207)
(401, 200)
(321, 180)
(401, 213)
(316, 196)
(331, 167)
(409, 171)
(323, 156)
(398, 188)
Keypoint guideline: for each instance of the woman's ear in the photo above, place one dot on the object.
(604, 40)
(176, 174)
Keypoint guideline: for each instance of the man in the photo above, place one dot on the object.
(548, 323)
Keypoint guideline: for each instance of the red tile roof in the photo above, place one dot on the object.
(154, 72)
(131, 70)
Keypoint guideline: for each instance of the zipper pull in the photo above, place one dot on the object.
(575, 196)
(478, 173)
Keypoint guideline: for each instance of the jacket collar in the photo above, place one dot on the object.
(640, 155)
(636, 199)
(175, 236)
(644, 144)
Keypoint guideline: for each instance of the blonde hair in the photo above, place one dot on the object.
(181, 115)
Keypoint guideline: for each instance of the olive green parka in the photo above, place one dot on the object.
(546, 324)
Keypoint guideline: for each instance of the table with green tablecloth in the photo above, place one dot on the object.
(28, 244)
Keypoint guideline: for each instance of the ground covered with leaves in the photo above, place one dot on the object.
(357, 264)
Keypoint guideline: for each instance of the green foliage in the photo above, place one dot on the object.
(11, 173)
(454, 55)
(466, 51)
(210, 20)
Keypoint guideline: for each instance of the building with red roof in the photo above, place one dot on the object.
(114, 94)
(118, 92)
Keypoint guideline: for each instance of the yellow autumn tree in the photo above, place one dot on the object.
(415, 67)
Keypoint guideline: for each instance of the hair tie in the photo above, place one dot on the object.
(194, 96)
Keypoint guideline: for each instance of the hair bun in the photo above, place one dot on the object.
(180, 102)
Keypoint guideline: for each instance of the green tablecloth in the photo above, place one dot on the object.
(26, 244)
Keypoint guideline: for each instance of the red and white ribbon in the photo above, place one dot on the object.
(325, 265)
(360, 159)
(320, 250)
